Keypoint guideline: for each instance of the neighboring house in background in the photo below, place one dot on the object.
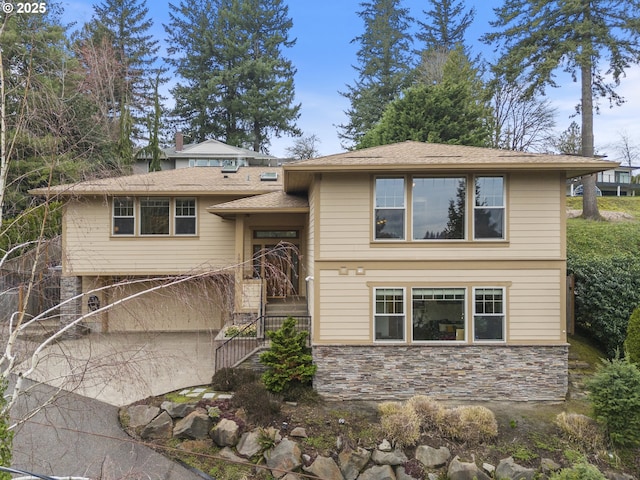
(427, 269)
(210, 153)
(616, 181)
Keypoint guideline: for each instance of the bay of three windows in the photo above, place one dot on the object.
(440, 207)
(153, 216)
(436, 314)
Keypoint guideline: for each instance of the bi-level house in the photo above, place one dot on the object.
(426, 268)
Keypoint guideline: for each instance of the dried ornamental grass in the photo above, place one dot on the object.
(401, 427)
(581, 430)
(473, 424)
(427, 409)
(387, 408)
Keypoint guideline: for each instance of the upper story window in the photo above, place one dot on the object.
(123, 216)
(489, 209)
(441, 208)
(390, 209)
(185, 216)
(154, 216)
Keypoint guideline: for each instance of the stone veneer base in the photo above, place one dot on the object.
(461, 372)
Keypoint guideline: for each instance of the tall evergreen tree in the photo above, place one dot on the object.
(191, 54)
(538, 37)
(384, 66)
(453, 111)
(125, 25)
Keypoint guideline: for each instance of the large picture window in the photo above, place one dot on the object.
(489, 210)
(438, 314)
(123, 216)
(439, 206)
(154, 216)
(390, 209)
(489, 314)
(185, 216)
(389, 314)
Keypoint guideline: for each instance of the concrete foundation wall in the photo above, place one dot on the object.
(457, 372)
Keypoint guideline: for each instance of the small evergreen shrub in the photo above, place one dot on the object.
(632, 342)
(581, 430)
(288, 360)
(229, 379)
(402, 427)
(260, 405)
(580, 471)
(614, 393)
(428, 411)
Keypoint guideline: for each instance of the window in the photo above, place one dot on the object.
(154, 216)
(439, 206)
(123, 216)
(185, 216)
(489, 210)
(438, 314)
(389, 314)
(390, 209)
(489, 314)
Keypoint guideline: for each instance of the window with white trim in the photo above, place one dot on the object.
(185, 216)
(389, 317)
(154, 216)
(489, 208)
(489, 314)
(439, 206)
(438, 314)
(390, 209)
(123, 222)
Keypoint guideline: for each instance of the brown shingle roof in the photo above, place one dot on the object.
(194, 181)
(272, 202)
(421, 156)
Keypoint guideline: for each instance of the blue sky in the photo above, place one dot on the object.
(324, 57)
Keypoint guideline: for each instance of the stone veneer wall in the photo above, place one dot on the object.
(378, 372)
(70, 287)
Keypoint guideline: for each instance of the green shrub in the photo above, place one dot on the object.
(288, 360)
(632, 342)
(229, 379)
(580, 471)
(607, 291)
(260, 405)
(614, 393)
(402, 426)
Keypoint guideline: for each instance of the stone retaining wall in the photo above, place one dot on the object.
(378, 372)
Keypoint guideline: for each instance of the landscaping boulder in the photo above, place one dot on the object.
(141, 415)
(465, 471)
(510, 470)
(325, 468)
(353, 461)
(229, 454)
(432, 457)
(194, 426)
(378, 472)
(177, 410)
(225, 433)
(159, 428)
(283, 458)
(248, 446)
(394, 457)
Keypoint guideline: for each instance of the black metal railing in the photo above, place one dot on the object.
(252, 337)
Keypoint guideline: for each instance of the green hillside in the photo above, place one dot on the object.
(605, 238)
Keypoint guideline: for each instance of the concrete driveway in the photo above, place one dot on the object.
(121, 368)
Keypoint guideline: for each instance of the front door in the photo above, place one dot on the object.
(276, 259)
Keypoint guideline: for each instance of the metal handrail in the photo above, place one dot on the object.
(240, 346)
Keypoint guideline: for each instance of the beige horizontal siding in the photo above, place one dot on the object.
(534, 226)
(534, 300)
(90, 248)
